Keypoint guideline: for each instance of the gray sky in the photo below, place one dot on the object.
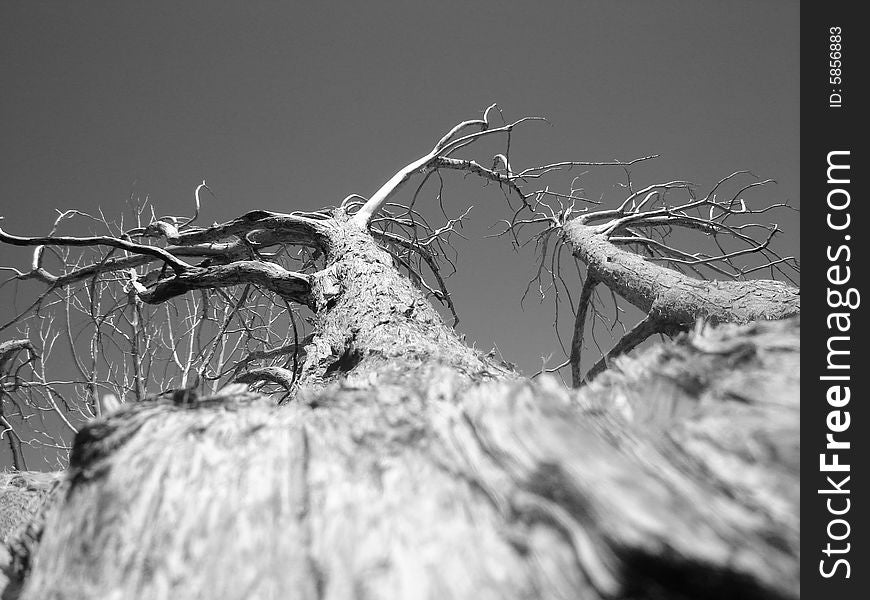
(294, 105)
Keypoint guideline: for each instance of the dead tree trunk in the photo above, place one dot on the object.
(670, 297)
(676, 479)
(672, 301)
(408, 465)
(369, 316)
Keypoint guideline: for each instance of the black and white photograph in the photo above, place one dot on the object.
(413, 300)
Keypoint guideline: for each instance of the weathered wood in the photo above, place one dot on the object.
(21, 493)
(22, 497)
(674, 476)
(369, 318)
(672, 297)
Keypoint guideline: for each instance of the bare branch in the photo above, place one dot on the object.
(447, 145)
(10, 348)
(283, 377)
(299, 228)
(177, 265)
(632, 339)
(287, 284)
(579, 326)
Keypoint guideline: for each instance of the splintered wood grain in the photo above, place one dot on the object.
(676, 478)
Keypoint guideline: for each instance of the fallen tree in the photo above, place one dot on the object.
(394, 460)
(675, 476)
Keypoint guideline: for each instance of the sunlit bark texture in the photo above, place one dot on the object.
(672, 301)
(674, 476)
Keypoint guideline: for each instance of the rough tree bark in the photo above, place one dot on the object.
(676, 478)
(671, 297)
(369, 315)
(671, 301)
(408, 465)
